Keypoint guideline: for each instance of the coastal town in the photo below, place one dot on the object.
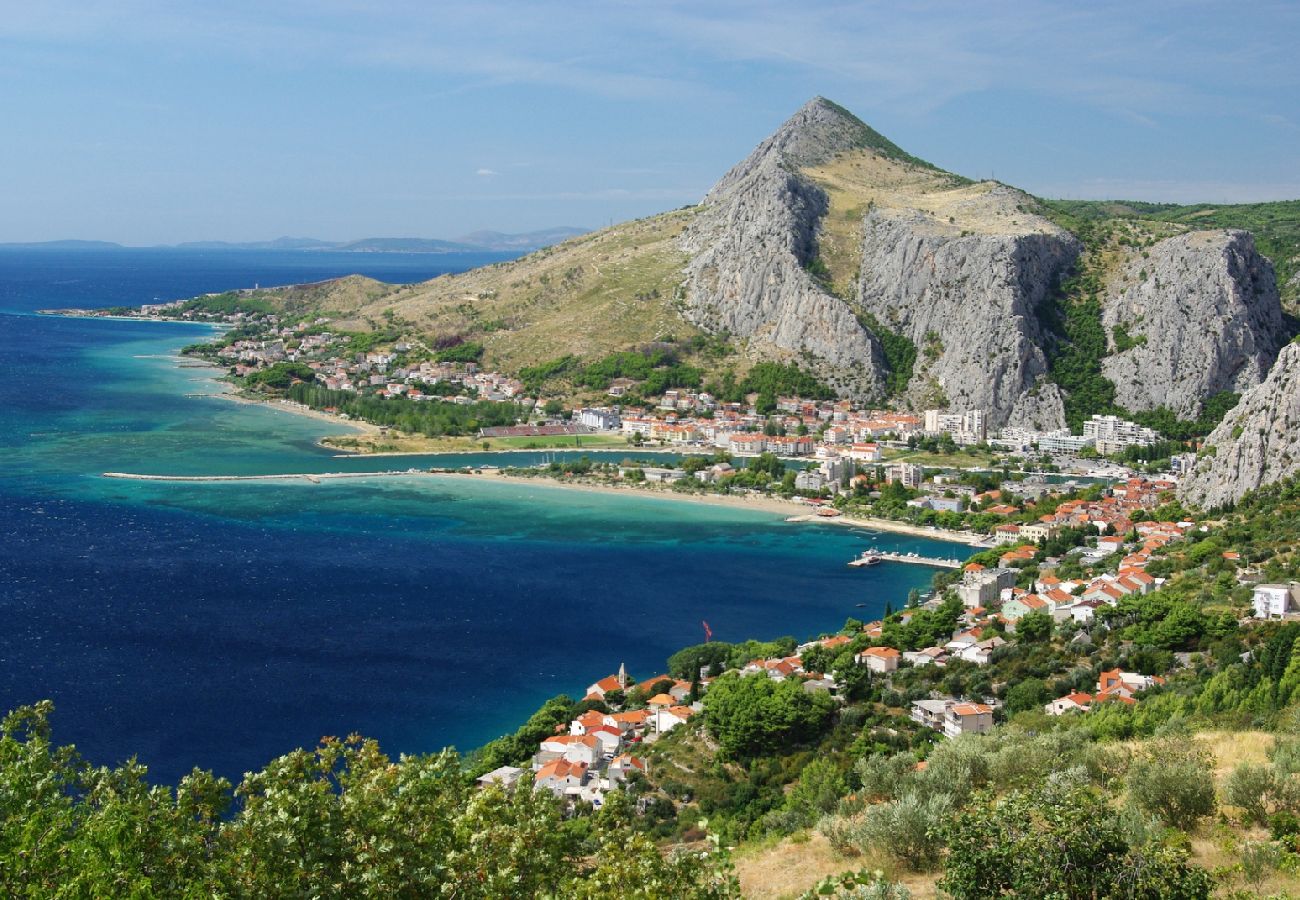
(483, 451)
(836, 437)
(1088, 600)
(1077, 578)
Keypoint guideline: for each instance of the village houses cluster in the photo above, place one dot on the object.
(596, 753)
(834, 431)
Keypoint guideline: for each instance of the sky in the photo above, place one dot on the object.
(158, 122)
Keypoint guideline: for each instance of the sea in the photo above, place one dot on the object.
(219, 625)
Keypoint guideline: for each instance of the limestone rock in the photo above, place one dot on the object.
(1256, 444)
(967, 301)
(749, 247)
(1204, 308)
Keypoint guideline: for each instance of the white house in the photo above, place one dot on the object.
(559, 776)
(575, 748)
(879, 659)
(1076, 702)
(981, 653)
(1277, 601)
(967, 718)
(506, 776)
(668, 718)
(930, 713)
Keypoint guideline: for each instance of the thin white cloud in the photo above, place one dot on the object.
(486, 173)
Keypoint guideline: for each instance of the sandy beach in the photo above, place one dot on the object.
(790, 509)
(299, 410)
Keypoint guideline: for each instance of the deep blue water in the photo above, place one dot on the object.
(220, 625)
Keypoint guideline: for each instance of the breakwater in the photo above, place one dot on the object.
(312, 477)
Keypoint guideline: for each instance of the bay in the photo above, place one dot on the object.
(219, 625)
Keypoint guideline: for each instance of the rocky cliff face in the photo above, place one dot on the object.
(966, 299)
(1256, 444)
(1204, 312)
(960, 269)
(751, 243)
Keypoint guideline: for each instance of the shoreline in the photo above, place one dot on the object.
(790, 509)
(630, 451)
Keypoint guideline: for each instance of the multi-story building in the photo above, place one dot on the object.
(908, 474)
(967, 427)
(1111, 434)
(600, 419)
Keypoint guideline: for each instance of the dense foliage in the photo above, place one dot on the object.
(1061, 840)
(899, 351)
(466, 352)
(769, 381)
(433, 418)
(341, 821)
(280, 375)
(754, 715)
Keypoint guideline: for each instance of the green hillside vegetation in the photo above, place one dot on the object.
(1275, 225)
(343, 820)
(431, 418)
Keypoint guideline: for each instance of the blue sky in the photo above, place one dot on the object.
(148, 122)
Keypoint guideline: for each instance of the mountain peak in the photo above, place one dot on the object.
(818, 131)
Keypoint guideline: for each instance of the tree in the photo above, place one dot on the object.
(687, 663)
(908, 829)
(1034, 628)
(1028, 694)
(342, 820)
(753, 715)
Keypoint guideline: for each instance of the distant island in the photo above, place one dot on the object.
(474, 242)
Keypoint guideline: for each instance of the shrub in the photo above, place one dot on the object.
(883, 776)
(1062, 841)
(1174, 783)
(1258, 860)
(957, 767)
(1252, 788)
(907, 828)
(862, 885)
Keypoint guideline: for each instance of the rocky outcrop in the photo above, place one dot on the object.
(967, 301)
(749, 247)
(1203, 313)
(1256, 444)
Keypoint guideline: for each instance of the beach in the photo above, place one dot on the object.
(792, 509)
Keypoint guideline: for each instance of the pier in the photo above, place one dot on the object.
(872, 557)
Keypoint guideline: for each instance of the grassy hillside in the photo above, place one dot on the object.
(587, 297)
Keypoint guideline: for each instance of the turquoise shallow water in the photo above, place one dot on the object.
(221, 624)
